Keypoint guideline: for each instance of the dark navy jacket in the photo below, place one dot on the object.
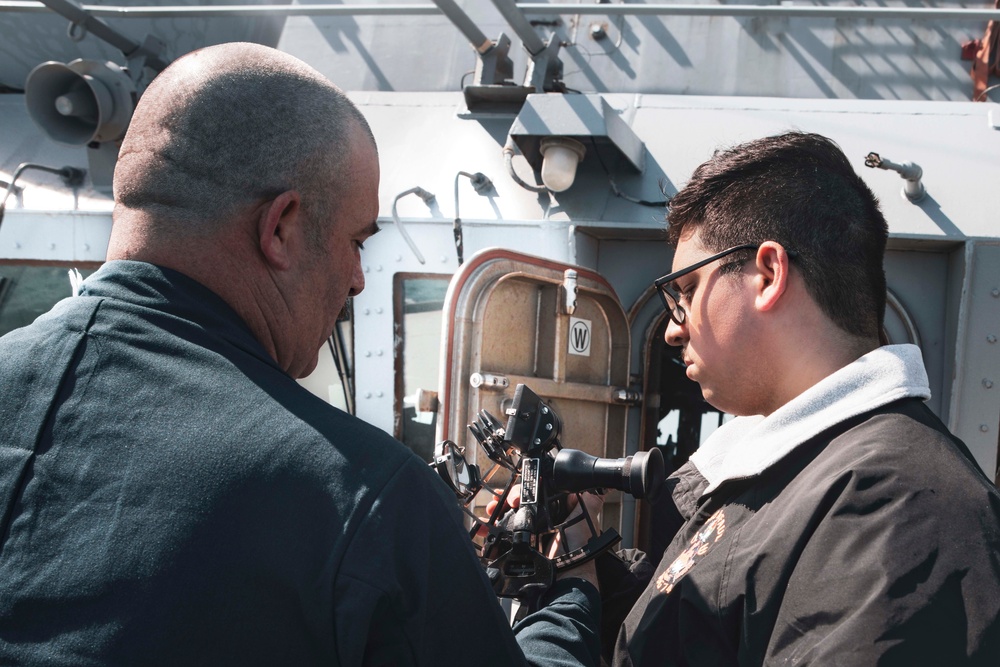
(168, 495)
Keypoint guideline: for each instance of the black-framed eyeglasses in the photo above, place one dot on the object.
(671, 300)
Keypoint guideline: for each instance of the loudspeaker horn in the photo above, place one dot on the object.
(82, 102)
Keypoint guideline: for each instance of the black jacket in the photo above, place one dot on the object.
(876, 541)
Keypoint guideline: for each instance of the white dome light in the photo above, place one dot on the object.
(560, 157)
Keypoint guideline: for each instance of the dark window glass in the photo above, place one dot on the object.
(29, 291)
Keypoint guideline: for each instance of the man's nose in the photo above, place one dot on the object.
(676, 334)
(357, 280)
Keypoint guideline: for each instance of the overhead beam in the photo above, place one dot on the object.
(533, 8)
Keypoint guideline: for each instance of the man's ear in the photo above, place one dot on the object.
(278, 229)
(772, 274)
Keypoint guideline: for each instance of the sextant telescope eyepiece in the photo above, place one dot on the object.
(640, 475)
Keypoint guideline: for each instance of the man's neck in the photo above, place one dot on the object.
(224, 262)
(811, 359)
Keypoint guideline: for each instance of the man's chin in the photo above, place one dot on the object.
(305, 370)
(712, 399)
(692, 372)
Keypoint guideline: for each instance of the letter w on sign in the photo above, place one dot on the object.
(579, 336)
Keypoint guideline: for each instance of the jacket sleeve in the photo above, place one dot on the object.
(411, 591)
(564, 632)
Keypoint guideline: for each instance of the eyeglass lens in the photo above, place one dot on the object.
(671, 301)
(672, 305)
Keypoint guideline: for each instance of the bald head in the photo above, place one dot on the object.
(249, 172)
(226, 127)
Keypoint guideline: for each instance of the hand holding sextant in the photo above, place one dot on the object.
(513, 545)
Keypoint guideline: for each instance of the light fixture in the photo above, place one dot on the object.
(555, 131)
(560, 156)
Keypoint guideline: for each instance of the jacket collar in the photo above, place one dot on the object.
(746, 446)
(148, 288)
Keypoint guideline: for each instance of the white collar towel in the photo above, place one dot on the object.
(746, 446)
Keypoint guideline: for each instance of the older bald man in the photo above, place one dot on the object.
(168, 493)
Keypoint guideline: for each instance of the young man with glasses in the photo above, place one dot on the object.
(835, 520)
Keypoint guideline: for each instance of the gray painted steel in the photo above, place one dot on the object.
(681, 79)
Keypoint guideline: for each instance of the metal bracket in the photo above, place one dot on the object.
(913, 189)
(569, 291)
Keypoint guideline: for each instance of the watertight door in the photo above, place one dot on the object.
(511, 318)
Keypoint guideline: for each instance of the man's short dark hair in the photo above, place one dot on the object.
(800, 190)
